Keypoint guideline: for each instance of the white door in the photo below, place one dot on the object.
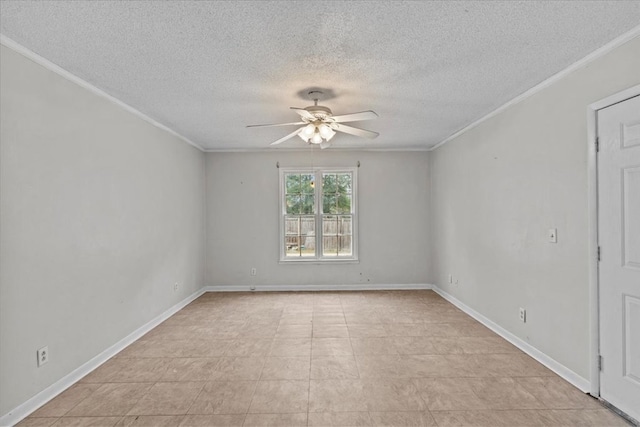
(619, 241)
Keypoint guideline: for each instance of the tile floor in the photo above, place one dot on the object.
(391, 358)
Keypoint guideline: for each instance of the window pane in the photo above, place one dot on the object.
(292, 226)
(329, 246)
(344, 183)
(306, 204)
(344, 225)
(292, 246)
(329, 203)
(343, 204)
(294, 204)
(329, 183)
(307, 184)
(292, 183)
(344, 246)
(337, 231)
(300, 236)
(329, 225)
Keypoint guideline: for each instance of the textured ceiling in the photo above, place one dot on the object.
(207, 69)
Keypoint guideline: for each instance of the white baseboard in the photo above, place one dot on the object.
(304, 288)
(22, 411)
(547, 361)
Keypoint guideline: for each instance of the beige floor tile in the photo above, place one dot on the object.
(216, 332)
(289, 347)
(212, 421)
(367, 330)
(37, 422)
(404, 366)
(239, 368)
(328, 319)
(233, 397)
(492, 418)
(287, 396)
(402, 419)
(414, 345)
(86, 422)
(473, 345)
(119, 370)
(334, 367)
(164, 332)
(294, 331)
(276, 420)
(337, 396)
(259, 330)
(398, 316)
(444, 394)
(168, 398)
(391, 394)
(66, 400)
(339, 419)
(503, 393)
(586, 418)
(330, 331)
(444, 317)
(471, 329)
(192, 369)
(384, 358)
(303, 319)
(512, 365)
(362, 317)
(441, 330)
(405, 329)
(247, 347)
(150, 421)
(322, 347)
(556, 393)
(286, 368)
(110, 399)
(373, 346)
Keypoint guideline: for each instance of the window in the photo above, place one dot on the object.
(318, 214)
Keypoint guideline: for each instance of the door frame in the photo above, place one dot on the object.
(592, 177)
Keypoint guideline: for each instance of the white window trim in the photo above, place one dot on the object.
(319, 258)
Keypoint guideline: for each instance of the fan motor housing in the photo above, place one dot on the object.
(319, 111)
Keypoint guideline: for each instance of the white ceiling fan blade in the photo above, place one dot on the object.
(354, 117)
(291, 135)
(277, 124)
(325, 144)
(354, 131)
(303, 113)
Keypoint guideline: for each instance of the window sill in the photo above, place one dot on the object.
(320, 261)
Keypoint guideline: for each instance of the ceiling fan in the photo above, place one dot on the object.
(319, 124)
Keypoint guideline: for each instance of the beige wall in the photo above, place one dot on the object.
(242, 218)
(499, 187)
(101, 213)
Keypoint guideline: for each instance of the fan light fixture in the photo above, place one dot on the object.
(316, 133)
(319, 124)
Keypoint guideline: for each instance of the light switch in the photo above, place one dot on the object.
(553, 235)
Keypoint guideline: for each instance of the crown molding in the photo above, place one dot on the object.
(15, 46)
(297, 150)
(618, 41)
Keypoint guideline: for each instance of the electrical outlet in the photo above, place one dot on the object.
(451, 278)
(523, 315)
(43, 355)
(254, 271)
(175, 287)
(553, 235)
